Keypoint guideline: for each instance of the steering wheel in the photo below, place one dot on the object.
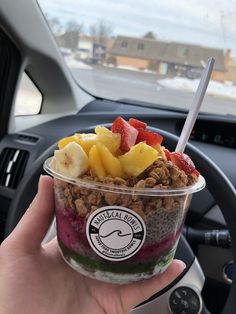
(217, 183)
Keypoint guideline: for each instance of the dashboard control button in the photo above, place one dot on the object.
(185, 300)
(228, 272)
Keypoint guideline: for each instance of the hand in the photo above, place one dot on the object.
(35, 279)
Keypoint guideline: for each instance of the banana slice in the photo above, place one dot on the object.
(71, 161)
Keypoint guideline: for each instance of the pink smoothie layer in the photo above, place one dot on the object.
(71, 231)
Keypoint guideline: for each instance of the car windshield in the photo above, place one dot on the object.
(149, 51)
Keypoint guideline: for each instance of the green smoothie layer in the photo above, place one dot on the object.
(117, 267)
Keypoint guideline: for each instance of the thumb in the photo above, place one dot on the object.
(33, 226)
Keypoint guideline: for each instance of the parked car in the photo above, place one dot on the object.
(193, 73)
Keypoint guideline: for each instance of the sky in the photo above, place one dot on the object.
(202, 22)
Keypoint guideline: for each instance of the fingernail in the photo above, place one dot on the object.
(184, 265)
(40, 180)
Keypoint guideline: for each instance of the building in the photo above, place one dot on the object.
(68, 40)
(167, 58)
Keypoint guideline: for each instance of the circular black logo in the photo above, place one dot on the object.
(115, 232)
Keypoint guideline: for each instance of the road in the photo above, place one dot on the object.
(113, 83)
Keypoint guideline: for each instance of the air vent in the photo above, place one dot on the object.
(27, 138)
(12, 165)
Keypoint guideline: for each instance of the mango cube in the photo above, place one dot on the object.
(86, 140)
(137, 159)
(111, 163)
(95, 163)
(109, 139)
(160, 151)
(64, 141)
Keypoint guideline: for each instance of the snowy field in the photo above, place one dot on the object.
(75, 64)
(226, 90)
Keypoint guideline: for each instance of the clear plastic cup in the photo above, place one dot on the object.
(118, 234)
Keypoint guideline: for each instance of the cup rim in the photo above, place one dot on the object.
(99, 186)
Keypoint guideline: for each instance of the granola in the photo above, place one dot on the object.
(162, 174)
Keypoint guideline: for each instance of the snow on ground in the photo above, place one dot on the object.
(75, 64)
(224, 90)
(126, 67)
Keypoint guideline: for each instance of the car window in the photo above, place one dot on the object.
(151, 51)
(28, 98)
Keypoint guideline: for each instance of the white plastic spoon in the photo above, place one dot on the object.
(195, 107)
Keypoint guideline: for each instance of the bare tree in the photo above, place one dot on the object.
(54, 24)
(72, 33)
(73, 26)
(150, 35)
(54, 21)
(101, 31)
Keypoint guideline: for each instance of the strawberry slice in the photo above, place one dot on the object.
(137, 124)
(183, 161)
(149, 137)
(128, 133)
(167, 153)
(196, 172)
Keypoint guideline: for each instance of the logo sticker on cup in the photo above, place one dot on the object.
(115, 233)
